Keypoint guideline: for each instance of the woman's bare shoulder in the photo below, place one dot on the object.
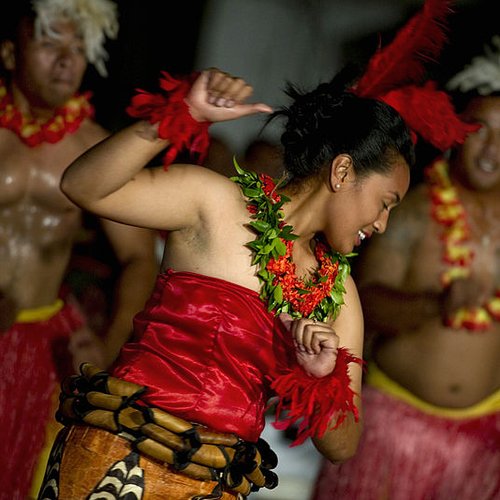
(200, 190)
(202, 178)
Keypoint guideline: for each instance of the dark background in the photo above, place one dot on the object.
(154, 35)
(160, 35)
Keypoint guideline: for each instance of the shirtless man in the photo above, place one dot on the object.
(41, 337)
(432, 393)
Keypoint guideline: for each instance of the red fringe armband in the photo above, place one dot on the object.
(315, 401)
(172, 113)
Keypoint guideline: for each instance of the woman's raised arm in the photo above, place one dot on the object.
(110, 180)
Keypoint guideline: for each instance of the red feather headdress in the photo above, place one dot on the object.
(394, 75)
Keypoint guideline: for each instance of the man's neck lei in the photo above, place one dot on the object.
(33, 132)
(319, 297)
(449, 212)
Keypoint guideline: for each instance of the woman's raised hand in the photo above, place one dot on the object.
(218, 96)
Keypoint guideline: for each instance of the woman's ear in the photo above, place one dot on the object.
(341, 171)
(7, 53)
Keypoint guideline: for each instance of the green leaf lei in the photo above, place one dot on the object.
(323, 292)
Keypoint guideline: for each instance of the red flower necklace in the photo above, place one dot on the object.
(304, 296)
(319, 297)
(33, 132)
(448, 211)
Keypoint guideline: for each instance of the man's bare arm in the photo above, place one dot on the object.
(135, 250)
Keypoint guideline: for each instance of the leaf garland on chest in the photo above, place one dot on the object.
(319, 297)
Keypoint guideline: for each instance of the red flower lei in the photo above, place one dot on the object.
(448, 211)
(304, 296)
(319, 297)
(33, 132)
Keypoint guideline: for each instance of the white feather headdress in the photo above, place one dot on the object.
(482, 74)
(97, 19)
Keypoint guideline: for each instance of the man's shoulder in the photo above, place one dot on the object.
(416, 201)
(418, 194)
(91, 132)
(410, 220)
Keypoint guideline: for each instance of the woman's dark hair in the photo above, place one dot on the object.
(331, 120)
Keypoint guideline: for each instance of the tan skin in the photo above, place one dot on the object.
(207, 218)
(445, 367)
(38, 223)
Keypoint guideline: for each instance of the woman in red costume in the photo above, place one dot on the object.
(248, 303)
(254, 302)
(254, 299)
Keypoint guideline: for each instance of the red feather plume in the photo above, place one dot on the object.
(402, 61)
(394, 75)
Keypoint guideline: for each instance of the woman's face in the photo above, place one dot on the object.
(361, 207)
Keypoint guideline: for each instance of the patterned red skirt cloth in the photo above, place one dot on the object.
(409, 451)
(114, 446)
(112, 461)
(34, 359)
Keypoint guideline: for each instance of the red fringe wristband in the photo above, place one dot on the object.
(313, 402)
(170, 110)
